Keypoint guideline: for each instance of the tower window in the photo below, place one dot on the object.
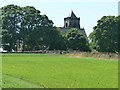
(66, 25)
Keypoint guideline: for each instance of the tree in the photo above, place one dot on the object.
(118, 18)
(27, 25)
(76, 40)
(57, 40)
(10, 26)
(104, 38)
(0, 28)
(20, 23)
(31, 20)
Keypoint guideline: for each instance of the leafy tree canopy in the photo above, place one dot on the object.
(28, 25)
(76, 40)
(104, 38)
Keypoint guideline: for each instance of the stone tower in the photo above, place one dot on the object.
(72, 21)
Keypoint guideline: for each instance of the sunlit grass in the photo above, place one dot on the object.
(61, 71)
(0, 71)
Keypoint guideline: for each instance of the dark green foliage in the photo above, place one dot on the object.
(104, 38)
(36, 31)
(57, 40)
(118, 18)
(11, 20)
(76, 40)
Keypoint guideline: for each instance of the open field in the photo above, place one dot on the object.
(0, 71)
(61, 71)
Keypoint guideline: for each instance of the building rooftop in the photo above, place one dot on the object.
(72, 16)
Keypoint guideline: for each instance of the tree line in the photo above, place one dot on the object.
(37, 32)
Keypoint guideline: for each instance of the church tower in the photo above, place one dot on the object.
(72, 21)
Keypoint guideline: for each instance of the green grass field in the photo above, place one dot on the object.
(0, 71)
(57, 71)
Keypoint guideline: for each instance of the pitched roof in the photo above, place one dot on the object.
(73, 15)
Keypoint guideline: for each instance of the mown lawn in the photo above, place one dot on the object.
(57, 71)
